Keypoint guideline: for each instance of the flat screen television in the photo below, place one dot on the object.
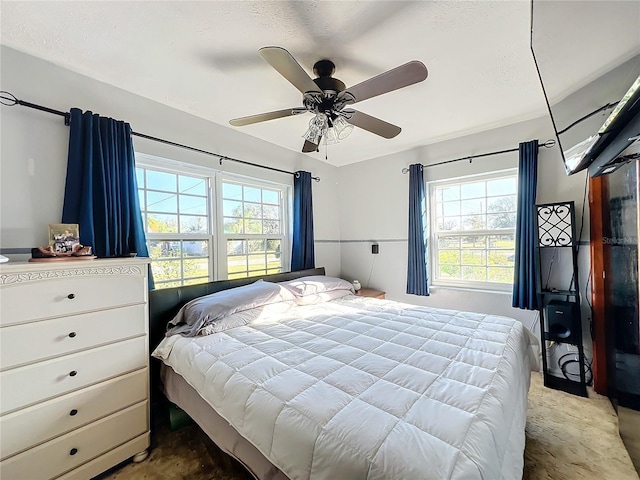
(608, 150)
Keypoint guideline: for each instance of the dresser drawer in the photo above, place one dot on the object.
(23, 302)
(109, 459)
(24, 386)
(65, 453)
(31, 342)
(44, 421)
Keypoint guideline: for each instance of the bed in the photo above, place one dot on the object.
(317, 383)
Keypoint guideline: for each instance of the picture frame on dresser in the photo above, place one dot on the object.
(74, 367)
(63, 237)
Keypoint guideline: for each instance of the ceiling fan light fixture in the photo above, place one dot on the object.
(320, 121)
(332, 131)
(312, 135)
(317, 126)
(330, 137)
(342, 128)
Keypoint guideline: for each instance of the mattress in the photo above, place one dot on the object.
(362, 388)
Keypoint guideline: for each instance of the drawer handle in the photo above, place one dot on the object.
(72, 334)
(73, 373)
(73, 451)
(73, 412)
(71, 296)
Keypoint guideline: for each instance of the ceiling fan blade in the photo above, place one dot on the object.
(309, 147)
(289, 68)
(263, 117)
(399, 77)
(372, 124)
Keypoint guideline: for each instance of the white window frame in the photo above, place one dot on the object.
(433, 232)
(284, 236)
(215, 235)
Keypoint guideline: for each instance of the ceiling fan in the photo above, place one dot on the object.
(326, 98)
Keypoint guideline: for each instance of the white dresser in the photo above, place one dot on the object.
(74, 367)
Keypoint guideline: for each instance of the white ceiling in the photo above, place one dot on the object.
(202, 57)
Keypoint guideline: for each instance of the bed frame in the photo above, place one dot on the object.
(164, 303)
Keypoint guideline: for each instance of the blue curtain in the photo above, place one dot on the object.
(417, 282)
(302, 251)
(101, 193)
(525, 274)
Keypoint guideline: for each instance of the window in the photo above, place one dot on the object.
(472, 226)
(253, 229)
(195, 216)
(175, 212)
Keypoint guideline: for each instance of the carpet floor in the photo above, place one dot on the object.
(567, 438)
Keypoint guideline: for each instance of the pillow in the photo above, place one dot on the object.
(318, 288)
(205, 311)
(315, 284)
(246, 317)
(312, 299)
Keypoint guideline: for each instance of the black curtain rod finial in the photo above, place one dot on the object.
(8, 99)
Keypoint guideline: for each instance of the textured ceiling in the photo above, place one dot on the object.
(202, 57)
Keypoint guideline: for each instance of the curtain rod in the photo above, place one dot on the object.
(547, 144)
(10, 100)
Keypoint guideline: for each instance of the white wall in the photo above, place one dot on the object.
(33, 155)
(374, 195)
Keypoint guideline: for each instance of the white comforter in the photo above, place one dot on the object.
(360, 388)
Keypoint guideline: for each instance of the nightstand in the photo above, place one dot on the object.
(370, 292)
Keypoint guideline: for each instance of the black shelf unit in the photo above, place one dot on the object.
(560, 319)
